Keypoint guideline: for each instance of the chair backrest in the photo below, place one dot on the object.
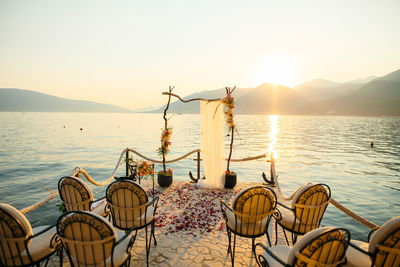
(324, 246)
(15, 231)
(128, 202)
(309, 205)
(87, 237)
(385, 244)
(254, 204)
(76, 194)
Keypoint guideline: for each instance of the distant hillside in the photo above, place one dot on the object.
(366, 97)
(12, 99)
(377, 98)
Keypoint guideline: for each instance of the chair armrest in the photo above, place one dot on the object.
(127, 234)
(98, 199)
(371, 232)
(54, 242)
(224, 206)
(260, 256)
(154, 203)
(284, 206)
(43, 231)
(359, 249)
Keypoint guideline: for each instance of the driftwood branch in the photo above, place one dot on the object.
(166, 125)
(189, 100)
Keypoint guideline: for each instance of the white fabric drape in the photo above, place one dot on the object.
(212, 144)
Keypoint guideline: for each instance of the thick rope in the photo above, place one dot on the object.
(90, 179)
(353, 215)
(159, 161)
(249, 158)
(38, 204)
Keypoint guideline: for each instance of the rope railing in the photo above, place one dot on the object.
(249, 158)
(160, 161)
(274, 178)
(336, 204)
(38, 204)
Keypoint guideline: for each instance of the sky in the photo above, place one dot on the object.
(127, 53)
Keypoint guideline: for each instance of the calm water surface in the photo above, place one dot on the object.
(36, 150)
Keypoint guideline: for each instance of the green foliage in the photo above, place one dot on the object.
(61, 207)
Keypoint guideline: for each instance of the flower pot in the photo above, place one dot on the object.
(164, 179)
(230, 180)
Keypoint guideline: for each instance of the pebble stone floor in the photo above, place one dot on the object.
(190, 229)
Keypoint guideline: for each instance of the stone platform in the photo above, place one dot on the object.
(190, 230)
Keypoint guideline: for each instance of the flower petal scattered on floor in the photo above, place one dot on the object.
(190, 209)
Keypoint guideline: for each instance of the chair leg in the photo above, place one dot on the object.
(229, 241)
(61, 256)
(148, 243)
(276, 232)
(233, 252)
(152, 232)
(287, 240)
(253, 247)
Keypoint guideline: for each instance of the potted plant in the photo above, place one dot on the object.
(164, 177)
(229, 105)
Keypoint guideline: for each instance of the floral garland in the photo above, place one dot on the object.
(229, 103)
(165, 143)
(144, 168)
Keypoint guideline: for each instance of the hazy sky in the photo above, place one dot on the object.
(127, 52)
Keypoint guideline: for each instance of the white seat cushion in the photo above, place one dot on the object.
(355, 257)
(98, 207)
(281, 252)
(288, 220)
(146, 218)
(250, 229)
(40, 245)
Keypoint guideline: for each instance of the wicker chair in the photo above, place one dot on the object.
(130, 206)
(20, 245)
(324, 246)
(91, 240)
(307, 209)
(77, 196)
(383, 248)
(249, 216)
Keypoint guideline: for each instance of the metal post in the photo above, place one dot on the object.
(198, 164)
(153, 179)
(273, 173)
(127, 163)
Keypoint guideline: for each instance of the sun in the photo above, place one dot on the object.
(276, 69)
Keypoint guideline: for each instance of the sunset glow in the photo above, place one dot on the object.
(276, 69)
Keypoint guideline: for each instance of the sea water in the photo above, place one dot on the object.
(37, 149)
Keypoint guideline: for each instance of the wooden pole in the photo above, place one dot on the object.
(127, 163)
(198, 165)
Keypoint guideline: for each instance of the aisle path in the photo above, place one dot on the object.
(190, 230)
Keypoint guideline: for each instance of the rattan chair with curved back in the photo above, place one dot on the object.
(383, 248)
(91, 240)
(305, 214)
(249, 216)
(322, 247)
(20, 245)
(77, 196)
(130, 206)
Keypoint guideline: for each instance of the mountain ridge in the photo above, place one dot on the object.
(376, 97)
(23, 100)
